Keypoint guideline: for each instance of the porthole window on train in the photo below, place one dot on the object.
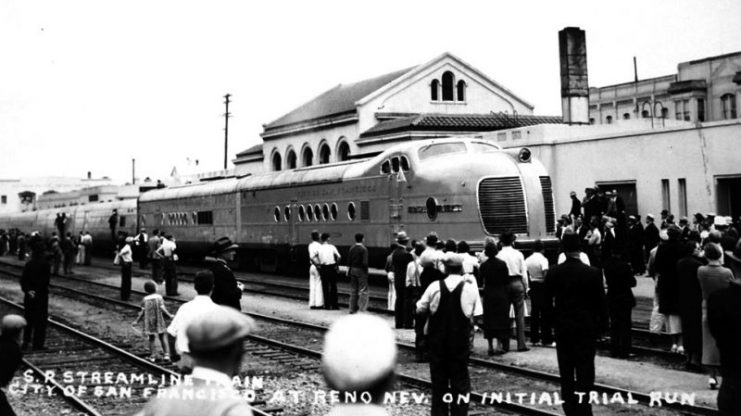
(431, 208)
(276, 214)
(287, 213)
(404, 163)
(351, 211)
(301, 213)
(333, 212)
(325, 212)
(318, 212)
(395, 164)
(309, 213)
(386, 167)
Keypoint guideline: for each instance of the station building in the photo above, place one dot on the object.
(443, 97)
(707, 89)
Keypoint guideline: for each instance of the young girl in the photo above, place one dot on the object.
(153, 307)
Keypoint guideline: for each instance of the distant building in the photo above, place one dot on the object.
(22, 194)
(707, 89)
(90, 195)
(443, 97)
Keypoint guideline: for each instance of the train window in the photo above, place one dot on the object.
(333, 212)
(276, 214)
(431, 208)
(287, 213)
(395, 164)
(122, 221)
(309, 213)
(318, 212)
(325, 212)
(404, 163)
(205, 217)
(301, 213)
(364, 210)
(351, 211)
(439, 149)
(386, 167)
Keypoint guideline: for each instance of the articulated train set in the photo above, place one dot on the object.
(464, 189)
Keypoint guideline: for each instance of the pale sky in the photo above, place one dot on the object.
(89, 85)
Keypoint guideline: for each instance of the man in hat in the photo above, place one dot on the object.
(328, 259)
(452, 304)
(215, 341)
(724, 319)
(635, 245)
(10, 349)
(142, 249)
(166, 252)
(35, 287)
(124, 258)
(359, 357)
(575, 206)
(651, 236)
(227, 291)
(590, 204)
(357, 269)
(518, 284)
(400, 259)
(580, 317)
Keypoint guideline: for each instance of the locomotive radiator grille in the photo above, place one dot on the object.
(550, 212)
(502, 205)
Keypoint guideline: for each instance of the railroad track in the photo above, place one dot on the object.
(87, 388)
(513, 377)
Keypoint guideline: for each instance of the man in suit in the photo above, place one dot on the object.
(35, 287)
(357, 265)
(650, 235)
(400, 259)
(620, 280)
(575, 206)
(227, 291)
(580, 316)
(635, 245)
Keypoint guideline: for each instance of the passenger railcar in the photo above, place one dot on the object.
(464, 189)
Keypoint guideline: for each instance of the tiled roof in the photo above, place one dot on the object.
(338, 100)
(458, 122)
(254, 149)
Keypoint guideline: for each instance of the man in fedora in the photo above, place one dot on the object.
(215, 340)
(400, 259)
(227, 291)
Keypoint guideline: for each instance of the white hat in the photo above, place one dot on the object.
(359, 350)
(719, 221)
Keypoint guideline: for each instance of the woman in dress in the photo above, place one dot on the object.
(712, 278)
(495, 276)
(153, 309)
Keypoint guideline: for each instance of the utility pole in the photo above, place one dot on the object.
(133, 171)
(226, 128)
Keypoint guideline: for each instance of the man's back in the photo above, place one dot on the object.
(580, 306)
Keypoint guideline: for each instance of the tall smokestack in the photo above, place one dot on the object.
(572, 48)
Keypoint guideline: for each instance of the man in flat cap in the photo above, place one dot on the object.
(10, 351)
(359, 358)
(215, 341)
(227, 291)
(451, 303)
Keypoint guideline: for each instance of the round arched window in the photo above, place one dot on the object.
(343, 151)
(301, 213)
(351, 211)
(318, 212)
(324, 154)
(287, 213)
(431, 208)
(309, 213)
(333, 211)
(276, 214)
(325, 212)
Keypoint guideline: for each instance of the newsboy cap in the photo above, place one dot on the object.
(359, 351)
(220, 327)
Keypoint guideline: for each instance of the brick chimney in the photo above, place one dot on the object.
(572, 49)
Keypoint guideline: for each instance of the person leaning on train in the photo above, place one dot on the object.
(215, 341)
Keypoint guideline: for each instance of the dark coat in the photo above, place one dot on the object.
(690, 303)
(667, 284)
(400, 259)
(225, 290)
(580, 306)
(620, 280)
(575, 207)
(495, 275)
(36, 274)
(651, 236)
(12, 356)
(724, 319)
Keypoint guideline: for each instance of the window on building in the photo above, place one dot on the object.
(665, 195)
(307, 158)
(678, 110)
(343, 151)
(461, 90)
(664, 112)
(291, 160)
(276, 161)
(591, 120)
(434, 87)
(608, 119)
(448, 80)
(92, 198)
(502, 137)
(324, 154)
(700, 109)
(517, 134)
(644, 114)
(728, 103)
(3, 199)
(682, 193)
(686, 110)
(626, 116)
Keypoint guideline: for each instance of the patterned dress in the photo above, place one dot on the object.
(154, 320)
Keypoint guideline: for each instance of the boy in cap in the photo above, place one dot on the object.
(10, 351)
(215, 340)
(359, 358)
(227, 291)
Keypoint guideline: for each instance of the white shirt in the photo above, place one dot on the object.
(469, 263)
(537, 266)
(314, 251)
(413, 271)
(470, 300)
(514, 259)
(328, 254)
(125, 254)
(200, 305)
(431, 257)
(582, 256)
(166, 248)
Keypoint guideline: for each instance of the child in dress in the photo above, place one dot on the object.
(153, 307)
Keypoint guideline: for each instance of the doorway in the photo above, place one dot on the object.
(728, 191)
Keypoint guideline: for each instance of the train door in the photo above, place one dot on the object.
(396, 184)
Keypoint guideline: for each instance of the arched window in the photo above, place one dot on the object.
(608, 119)
(343, 151)
(448, 79)
(434, 87)
(461, 90)
(644, 114)
(291, 159)
(728, 103)
(276, 161)
(324, 153)
(626, 116)
(307, 158)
